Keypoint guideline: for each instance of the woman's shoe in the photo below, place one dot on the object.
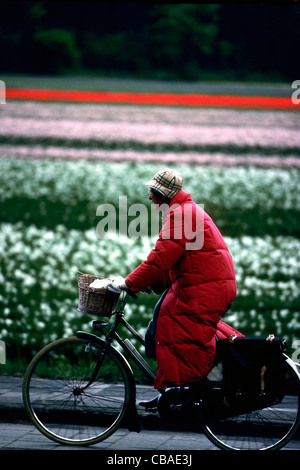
(151, 405)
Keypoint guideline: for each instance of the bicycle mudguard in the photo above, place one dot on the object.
(293, 365)
(132, 419)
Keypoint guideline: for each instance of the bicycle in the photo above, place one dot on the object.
(79, 390)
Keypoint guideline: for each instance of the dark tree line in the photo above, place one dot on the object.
(151, 40)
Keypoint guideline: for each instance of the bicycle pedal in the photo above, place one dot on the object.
(151, 410)
(150, 406)
(99, 324)
(174, 407)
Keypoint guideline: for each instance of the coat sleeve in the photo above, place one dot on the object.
(154, 271)
(161, 285)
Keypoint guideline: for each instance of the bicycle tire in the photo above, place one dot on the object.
(53, 392)
(269, 428)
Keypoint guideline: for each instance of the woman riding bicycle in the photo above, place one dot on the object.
(192, 261)
(79, 390)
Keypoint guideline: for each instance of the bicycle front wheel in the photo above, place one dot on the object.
(262, 429)
(59, 399)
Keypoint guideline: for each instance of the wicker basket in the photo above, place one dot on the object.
(101, 302)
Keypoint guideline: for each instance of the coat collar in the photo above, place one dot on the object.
(180, 198)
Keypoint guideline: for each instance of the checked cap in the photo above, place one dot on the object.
(167, 182)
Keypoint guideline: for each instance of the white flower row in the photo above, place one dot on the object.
(45, 250)
(98, 183)
(266, 257)
(166, 158)
(38, 278)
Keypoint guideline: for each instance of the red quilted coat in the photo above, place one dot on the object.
(202, 286)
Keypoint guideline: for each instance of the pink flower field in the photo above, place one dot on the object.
(220, 137)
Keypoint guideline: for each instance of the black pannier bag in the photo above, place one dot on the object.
(253, 372)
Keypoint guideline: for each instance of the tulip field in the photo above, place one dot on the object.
(60, 161)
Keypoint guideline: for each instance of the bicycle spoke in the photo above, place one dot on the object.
(61, 406)
(265, 428)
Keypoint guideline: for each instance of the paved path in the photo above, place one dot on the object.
(17, 433)
(24, 436)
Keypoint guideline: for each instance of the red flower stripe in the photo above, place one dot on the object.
(161, 99)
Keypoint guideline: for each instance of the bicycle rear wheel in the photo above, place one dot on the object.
(57, 401)
(262, 429)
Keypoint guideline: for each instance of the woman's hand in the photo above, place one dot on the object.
(118, 283)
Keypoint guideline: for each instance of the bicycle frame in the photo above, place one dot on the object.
(211, 413)
(128, 347)
(225, 424)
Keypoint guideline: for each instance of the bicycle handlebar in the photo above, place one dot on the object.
(147, 290)
(132, 294)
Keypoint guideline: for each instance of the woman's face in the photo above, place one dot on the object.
(157, 198)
